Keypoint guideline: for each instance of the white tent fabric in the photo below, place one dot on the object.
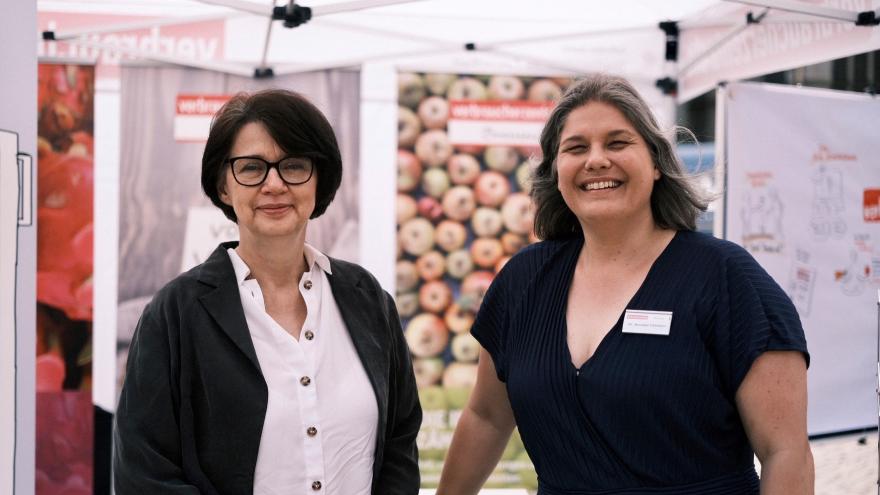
(721, 44)
(514, 36)
(727, 40)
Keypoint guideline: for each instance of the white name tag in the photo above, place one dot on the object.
(647, 322)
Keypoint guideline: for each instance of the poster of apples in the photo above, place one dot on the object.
(465, 147)
(64, 411)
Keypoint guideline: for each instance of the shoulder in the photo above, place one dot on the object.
(185, 289)
(698, 247)
(349, 273)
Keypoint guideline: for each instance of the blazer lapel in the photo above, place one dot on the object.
(365, 324)
(224, 302)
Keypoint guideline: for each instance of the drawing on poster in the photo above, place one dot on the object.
(857, 274)
(801, 280)
(828, 206)
(762, 214)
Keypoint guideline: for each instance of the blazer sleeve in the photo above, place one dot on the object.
(399, 474)
(147, 451)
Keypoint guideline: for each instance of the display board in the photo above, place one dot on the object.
(65, 214)
(9, 194)
(803, 185)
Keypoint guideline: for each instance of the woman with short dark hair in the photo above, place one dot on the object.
(634, 355)
(269, 368)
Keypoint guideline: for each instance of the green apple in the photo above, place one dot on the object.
(457, 397)
(433, 398)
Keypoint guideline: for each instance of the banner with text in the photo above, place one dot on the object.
(780, 42)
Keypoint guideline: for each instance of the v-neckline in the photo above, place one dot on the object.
(614, 330)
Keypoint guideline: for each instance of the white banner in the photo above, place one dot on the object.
(781, 41)
(803, 187)
(193, 114)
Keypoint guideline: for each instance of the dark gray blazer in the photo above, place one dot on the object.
(192, 407)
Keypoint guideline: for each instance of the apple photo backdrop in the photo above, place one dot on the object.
(465, 147)
(65, 192)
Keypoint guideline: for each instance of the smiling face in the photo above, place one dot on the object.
(605, 170)
(273, 209)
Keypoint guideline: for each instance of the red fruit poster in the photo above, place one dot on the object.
(65, 198)
(466, 145)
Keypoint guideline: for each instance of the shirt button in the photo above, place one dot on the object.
(310, 335)
(316, 485)
(312, 431)
(305, 381)
(307, 284)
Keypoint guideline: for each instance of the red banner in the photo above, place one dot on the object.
(65, 199)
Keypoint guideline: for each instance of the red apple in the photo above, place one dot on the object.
(486, 222)
(409, 171)
(501, 158)
(467, 88)
(434, 111)
(506, 88)
(416, 236)
(435, 296)
(408, 127)
(430, 208)
(426, 335)
(491, 188)
(458, 203)
(450, 235)
(463, 169)
(433, 148)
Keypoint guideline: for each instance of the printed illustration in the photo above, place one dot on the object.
(762, 217)
(856, 276)
(827, 208)
(801, 281)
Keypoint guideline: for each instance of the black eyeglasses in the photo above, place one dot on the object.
(253, 170)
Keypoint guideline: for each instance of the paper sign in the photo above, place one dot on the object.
(193, 114)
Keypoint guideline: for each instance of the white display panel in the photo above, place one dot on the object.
(803, 184)
(9, 209)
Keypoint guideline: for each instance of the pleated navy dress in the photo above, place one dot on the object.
(646, 413)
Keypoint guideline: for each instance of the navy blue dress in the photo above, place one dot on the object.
(646, 413)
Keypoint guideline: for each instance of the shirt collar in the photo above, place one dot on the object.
(313, 257)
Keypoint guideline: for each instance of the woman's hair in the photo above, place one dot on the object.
(675, 200)
(296, 125)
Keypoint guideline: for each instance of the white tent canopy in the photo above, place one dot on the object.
(719, 40)
(565, 36)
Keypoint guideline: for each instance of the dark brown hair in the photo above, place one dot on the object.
(296, 125)
(676, 201)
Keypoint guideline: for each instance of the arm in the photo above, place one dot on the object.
(400, 464)
(481, 434)
(772, 402)
(146, 453)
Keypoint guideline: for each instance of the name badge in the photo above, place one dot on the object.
(647, 322)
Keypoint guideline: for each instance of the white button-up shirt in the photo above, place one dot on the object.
(319, 434)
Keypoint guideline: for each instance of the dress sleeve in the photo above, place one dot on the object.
(490, 325)
(753, 315)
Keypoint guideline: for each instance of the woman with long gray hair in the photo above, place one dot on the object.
(634, 354)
